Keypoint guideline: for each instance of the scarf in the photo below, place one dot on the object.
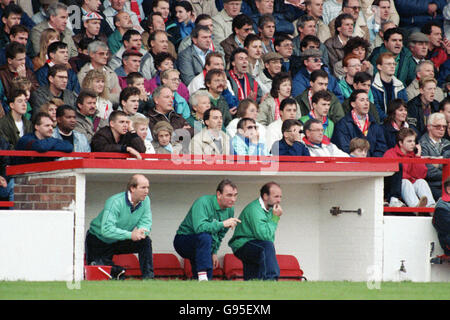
(365, 128)
(242, 92)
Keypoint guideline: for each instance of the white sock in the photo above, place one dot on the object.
(202, 276)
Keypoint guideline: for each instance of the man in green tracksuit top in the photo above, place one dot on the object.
(200, 234)
(253, 238)
(123, 226)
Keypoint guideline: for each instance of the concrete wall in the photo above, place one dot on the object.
(36, 245)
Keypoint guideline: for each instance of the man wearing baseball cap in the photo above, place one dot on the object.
(92, 28)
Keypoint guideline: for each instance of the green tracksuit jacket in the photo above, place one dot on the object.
(205, 215)
(256, 224)
(116, 221)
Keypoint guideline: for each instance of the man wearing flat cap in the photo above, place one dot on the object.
(272, 65)
(312, 61)
(418, 45)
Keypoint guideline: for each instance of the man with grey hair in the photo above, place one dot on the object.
(200, 102)
(164, 111)
(418, 45)
(424, 69)
(98, 53)
(434, 144)
(57, 19)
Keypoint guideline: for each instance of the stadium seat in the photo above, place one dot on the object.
(218, 273)
(130, 262)
(167, 266)
(289, 268)
(233, 267)
(97, 272)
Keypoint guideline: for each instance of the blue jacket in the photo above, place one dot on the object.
(281, 148)
(301, 82)
(415, 114)
(390, 135)
(414, 13)
(345, 130)
(444, 71)
(243, 147)
(80, 142)
(379, 97)
(32, 143)
(72, 83)
(281, 24)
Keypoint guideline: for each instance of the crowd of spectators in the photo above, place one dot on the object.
(228, 77)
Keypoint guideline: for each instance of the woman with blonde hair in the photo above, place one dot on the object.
(50, 108)
(95, 80)
(48, 36)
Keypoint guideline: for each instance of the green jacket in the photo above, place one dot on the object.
(406, 66)
(117, 220)
(9, 131)
(256, 224)
(329, 129)
(336, 112)
(205, 215)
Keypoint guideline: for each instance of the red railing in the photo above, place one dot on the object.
(233, 162)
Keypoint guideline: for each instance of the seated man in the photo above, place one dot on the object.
(242, 82)
(242, 27)
(246, 141)
(415, 190)
(191, 60)
(56, 88)
(282, 25)
(288, 110)
(65, 129)
(88, 121)
(41, 140)
(118, 137)
(291, 143)
(123, 226)
(290, 62)
(272, 66)
(211, 140)
(319, 80)
(422, 106)
(57, 54)
(434, 144)
(320, 106)
(200, 234)
(14, 124)
(215, 84)
(424, 69)
(312, 61)
(15, 66)
(363, 81)
(386, 87)
(164, 111)
(441, 219)
(318, 144)
(253, 238)
(358, 123)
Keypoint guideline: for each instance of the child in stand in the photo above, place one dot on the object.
(359, 147)
(140, 125)
(162, 131)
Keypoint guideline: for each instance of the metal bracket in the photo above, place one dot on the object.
(337, 210)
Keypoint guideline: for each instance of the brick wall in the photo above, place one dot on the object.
(37, 193)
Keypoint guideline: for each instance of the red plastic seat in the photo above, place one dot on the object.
(218, 273)
(233, 267)
(289, 268)
(130, 262)
(97, 272)
(167, 265)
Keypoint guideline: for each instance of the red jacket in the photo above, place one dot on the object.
(411, 171)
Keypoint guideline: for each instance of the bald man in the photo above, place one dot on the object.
(123, 226)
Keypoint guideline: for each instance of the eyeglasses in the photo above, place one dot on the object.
(440, 127)
(316, 59)
(287, 45)
(355, 8)
(390, 64)
(316, 130)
